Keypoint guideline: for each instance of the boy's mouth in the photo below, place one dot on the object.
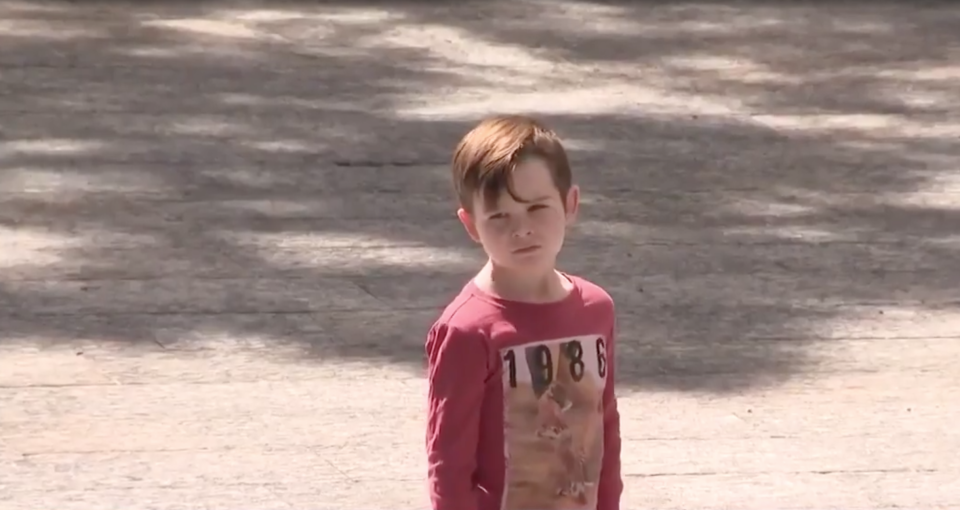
(528, 249)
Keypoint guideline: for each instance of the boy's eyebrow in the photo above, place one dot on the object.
(531, 201)
(540, 199)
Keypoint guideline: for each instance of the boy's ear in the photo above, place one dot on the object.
(471, 226)
(572, 204)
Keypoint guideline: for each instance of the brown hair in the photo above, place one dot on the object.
(486, 157)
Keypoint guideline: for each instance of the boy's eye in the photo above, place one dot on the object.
(498, 216)
(537, 207)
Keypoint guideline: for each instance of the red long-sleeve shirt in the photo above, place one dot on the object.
(522, 413)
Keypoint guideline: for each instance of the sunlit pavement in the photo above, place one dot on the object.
(225, 231)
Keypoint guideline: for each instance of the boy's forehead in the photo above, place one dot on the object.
(530, 181)
(526, 195)
(532, 167)
(532, 177)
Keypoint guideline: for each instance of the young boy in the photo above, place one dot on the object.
(522, 413)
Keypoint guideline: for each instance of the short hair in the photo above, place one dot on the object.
(486, 157)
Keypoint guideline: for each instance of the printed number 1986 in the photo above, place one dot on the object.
(539, 359)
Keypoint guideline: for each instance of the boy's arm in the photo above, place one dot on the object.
(611, 483)
(456, 374)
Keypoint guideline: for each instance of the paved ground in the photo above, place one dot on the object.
(225, 231)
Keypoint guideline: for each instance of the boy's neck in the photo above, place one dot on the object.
(513, 285)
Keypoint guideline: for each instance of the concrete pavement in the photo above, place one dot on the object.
(227, 227)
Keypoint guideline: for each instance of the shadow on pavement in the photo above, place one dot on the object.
(762, 179)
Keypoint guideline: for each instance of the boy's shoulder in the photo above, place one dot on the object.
(592, 294)
(468, 313)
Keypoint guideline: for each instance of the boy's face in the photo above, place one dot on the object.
(522, 235)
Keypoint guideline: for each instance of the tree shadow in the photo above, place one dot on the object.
(762, 179)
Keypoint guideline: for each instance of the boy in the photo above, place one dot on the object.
(522, 413)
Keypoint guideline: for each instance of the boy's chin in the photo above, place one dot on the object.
(527, 262)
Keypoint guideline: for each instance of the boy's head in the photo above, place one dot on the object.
(516, 191)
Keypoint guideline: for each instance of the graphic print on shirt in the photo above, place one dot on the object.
(553, 418)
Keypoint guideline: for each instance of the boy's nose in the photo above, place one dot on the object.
(522, 227)
(522, 231)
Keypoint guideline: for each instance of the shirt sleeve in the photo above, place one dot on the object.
(611, 482)
(456, 374)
